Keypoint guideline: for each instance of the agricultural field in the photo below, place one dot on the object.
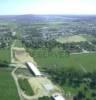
(69, 39)
(5, 55)
(59, 58)
(75, 38)
(8, 89)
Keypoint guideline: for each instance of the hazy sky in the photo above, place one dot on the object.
(8, 7)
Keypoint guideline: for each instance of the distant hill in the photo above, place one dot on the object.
(47, 17)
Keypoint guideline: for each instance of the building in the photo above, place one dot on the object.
(57, 96)
(34, 69)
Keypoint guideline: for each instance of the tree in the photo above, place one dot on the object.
(80, 95)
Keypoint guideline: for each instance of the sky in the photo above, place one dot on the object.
(16, 7)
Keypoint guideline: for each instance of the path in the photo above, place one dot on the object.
(83, 68)
(17, 84)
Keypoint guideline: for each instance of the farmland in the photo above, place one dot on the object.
(75, 38)
(70, 39)
(5, 55)
(8, 89)
(59, 58)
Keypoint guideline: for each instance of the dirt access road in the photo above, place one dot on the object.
(41, 86)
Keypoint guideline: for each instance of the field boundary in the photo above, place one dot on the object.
(83, 68)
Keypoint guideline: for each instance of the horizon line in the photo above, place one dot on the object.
(48, 14)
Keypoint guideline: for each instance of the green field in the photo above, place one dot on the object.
(60, 59)
(70, 39)
(25, 86)
(8, 89)
(75, 38)
(5, 55)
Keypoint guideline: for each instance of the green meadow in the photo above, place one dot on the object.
(8, 90)
(5, 55)
(59, 59)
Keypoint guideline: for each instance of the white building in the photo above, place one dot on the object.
(34, 69)
(57, 96)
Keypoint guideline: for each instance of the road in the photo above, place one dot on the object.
(19, 57)
(17, 84)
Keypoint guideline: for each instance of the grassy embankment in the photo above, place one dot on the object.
(25, 86)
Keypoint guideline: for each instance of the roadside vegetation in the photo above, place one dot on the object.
(25, 86)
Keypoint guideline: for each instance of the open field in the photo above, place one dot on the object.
(69, 39)
(8, 89)
(78, 61)
(5, 55)
(76, 38)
